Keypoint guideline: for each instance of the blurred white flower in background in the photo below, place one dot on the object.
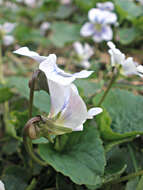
(65, 2)
(49, 67)
(68, 110)
(108, 6)
(129, 67)
(5, 33)
(2, 185)
(44, 27)
(99, 26)
(83, 53)
(140, 1)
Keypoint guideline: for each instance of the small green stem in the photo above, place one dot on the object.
(28, 145)
(125, 178)
(32, 185)
(133, 157)
(113, 79)
(1, 66)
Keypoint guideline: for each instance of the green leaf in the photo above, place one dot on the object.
(82, 158)
(127, 35)
(125, 110)
(15, 177)
(5, 94)
(128, 8)
(132, 184)
(64, 32)
(63, 12)
(41, 98)
(89, 88)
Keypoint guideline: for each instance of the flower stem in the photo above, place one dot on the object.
(113, 79)
(1, 66)
(28, 145)
(125, 178)
(133, 157)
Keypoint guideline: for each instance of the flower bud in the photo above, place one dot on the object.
(33, 132)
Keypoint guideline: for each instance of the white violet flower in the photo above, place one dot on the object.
(108, 6)
(49, 67)
(129, 67)
(99, 26)
(84, 52)
(5, 31)
(2, 185)
(67, 107)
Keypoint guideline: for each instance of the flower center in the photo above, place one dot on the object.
(98, 27)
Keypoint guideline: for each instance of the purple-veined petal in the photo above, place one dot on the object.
(97, 37)
(129, 67)
(59, 95)
(108, 6)
(26, 52)
(107, 33)
(75, 112)
(56, 74)
(94, 111)
(87, 29)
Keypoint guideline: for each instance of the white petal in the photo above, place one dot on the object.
(78, 48)
(94, 111)
(88, 51)
(102, 16)
(75, 112)
(87, 29)
(97, 37)
(26, 52)
(85, 64)
(117, 57)
(79, 128)
(56, 74)
(83, 74)
(129, 67)
(8, 40)
(108, 6)
(2, 185)
(59, 95)
(107, 33)
(9, 27)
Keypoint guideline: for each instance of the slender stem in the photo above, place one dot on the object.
(1, 66)
(113, 79)
(32, 184)
(133, 157)
(29, 148)
(125, 178)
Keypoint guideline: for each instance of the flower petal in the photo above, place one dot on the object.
(108, 6)
(9, 27)
(117, 57)
(59, 95)
(8, 40)
(88, 51)
(75, 112)
(2, 185)
(87, 29)
(78, 48)
(26, 52)
(107, 33)
(56, 74)
(94, 111)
